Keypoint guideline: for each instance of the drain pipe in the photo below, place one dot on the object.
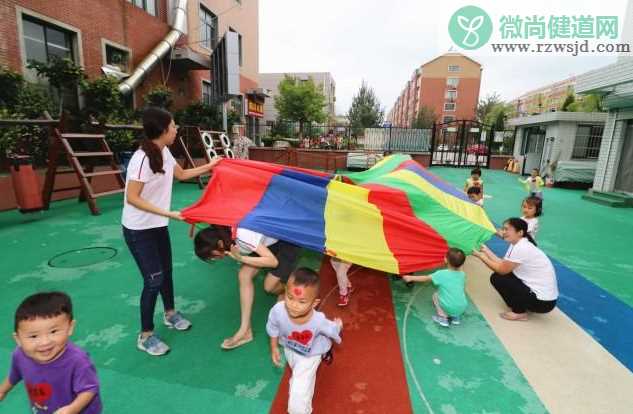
(160, 51)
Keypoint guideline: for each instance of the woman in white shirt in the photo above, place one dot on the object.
(525, 277)
(254, 251)
(146, 214)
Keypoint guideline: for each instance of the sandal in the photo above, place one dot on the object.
(230, 343)
(511, 316)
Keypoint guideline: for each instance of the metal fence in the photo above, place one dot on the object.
(327, 136)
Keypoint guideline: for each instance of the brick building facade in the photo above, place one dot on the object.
(119, 34)
(448, 84)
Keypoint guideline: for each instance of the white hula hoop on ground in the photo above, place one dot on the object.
(228, 153)
(406, 352)
(212, 154)
(207, 139)
(226, 143)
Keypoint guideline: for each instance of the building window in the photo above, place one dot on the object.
(452, 82)
(43, 42)
(587, 143)
(449, 106)
(451, 95)
(117, 58)
(239, 43)
(147, 5)
(208, 28)
(448, 118)
(454, 68)
(206, 92)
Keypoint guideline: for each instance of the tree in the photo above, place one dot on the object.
(300, 101)
(485, 106)
(569, 100)
(365, 111)
(425, 119)
(498, 115)
(587, 103)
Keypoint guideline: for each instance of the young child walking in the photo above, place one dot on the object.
(344, 285)
(450, 299)
(531, 210)
(305, 334)
(534, 184)
(58, 375)
(474, 180)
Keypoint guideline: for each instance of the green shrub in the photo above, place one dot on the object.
(159, 96)
(201, 115)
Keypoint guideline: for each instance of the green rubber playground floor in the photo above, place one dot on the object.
(592, 239)
(458, 371)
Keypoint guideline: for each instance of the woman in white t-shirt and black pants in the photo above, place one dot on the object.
(146, 214)
(525, 277)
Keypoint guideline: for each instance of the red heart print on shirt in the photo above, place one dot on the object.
(302, 337)
(39, 393)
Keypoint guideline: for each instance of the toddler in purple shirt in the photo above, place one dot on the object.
(58, 375)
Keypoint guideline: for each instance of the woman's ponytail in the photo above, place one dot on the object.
(155, 122)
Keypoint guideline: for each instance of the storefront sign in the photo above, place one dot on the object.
(255, 109)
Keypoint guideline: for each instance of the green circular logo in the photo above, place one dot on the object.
(470, 27)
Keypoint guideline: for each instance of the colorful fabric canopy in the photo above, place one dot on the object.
(396, 217)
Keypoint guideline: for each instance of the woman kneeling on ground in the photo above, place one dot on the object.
(525, 277)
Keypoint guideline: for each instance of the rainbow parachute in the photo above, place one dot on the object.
(396, 217)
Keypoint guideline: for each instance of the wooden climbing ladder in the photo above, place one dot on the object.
(66, 144)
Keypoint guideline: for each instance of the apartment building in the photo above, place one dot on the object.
(448, 84)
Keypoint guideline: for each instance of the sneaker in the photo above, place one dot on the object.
(455, 320)
(442, 321)
(177, 321)
(152, 345)
(343, 300)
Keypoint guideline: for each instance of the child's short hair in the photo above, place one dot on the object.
(206, 240)
(455, 257)
(536, 169)
(536, 203)
(304, 276)
(474, 190)
(475, 170)
(43, 305)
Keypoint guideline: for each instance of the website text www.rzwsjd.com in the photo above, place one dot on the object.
(574, 48)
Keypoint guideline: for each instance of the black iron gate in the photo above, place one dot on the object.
(461, 144)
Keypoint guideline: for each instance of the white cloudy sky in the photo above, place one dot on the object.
(361, 39)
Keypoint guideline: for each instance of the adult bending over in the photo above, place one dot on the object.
(525, 277)
(254, 251)
(146, 214)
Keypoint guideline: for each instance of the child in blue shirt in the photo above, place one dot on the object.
(450, 299)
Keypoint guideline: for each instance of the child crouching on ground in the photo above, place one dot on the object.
(58, 375)
(450, 299)
(305, 334)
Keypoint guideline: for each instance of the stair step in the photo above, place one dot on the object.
(91, 154)
(98, 173)
(105, 193)
(604, 200)
(613, 195)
